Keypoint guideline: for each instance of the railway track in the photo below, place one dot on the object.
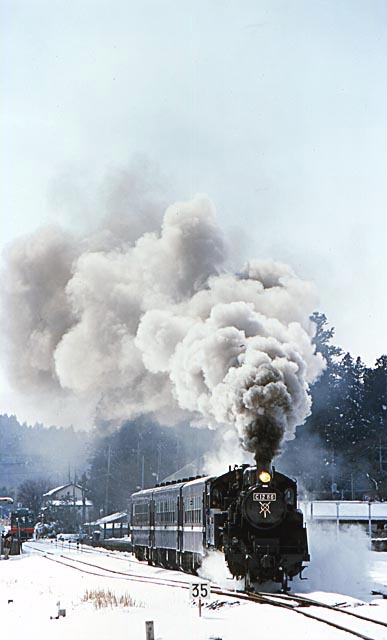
(299, 603)
(105, 572)
(296, 603)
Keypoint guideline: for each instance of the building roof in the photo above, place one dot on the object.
(120, 516)
(63, 486)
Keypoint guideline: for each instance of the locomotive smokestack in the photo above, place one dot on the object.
(263, 464)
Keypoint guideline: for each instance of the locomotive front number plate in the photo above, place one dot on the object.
(264, 497)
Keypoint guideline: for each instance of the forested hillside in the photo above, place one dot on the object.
(32, 452)
(341, 450)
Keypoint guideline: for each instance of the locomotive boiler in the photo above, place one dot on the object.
(249, 513)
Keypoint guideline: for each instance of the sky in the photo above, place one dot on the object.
(275, 109)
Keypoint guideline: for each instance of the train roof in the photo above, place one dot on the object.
(174, 484)
(199, 480)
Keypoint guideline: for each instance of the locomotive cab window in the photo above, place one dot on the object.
(249, 477)
(216, 498)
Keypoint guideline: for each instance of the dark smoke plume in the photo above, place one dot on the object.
(158, 325)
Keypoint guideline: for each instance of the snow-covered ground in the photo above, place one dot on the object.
(31, 585)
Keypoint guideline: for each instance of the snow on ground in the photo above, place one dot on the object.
(31, 586)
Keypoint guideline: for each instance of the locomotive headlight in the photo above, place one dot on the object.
(264, 477)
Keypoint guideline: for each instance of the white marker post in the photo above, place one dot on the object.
(200, 591)
(150, 630)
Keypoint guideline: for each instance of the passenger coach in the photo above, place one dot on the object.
(167, 524)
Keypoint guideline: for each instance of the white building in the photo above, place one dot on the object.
(69, 496)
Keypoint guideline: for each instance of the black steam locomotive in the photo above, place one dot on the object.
(249, 514)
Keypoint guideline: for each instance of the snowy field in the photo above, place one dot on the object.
(101, 605)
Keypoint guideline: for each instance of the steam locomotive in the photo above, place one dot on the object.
(249, 513)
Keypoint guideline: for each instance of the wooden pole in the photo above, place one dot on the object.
(150, 630)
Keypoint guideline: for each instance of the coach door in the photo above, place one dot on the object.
(179, 532)
(151, 523)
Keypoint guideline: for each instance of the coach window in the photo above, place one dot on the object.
(192, 514)
(141, 513)
(158, 512)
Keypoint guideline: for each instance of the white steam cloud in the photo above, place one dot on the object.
(216, 571)
(158, 325)
(340, 561)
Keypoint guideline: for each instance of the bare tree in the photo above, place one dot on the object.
(30, 493)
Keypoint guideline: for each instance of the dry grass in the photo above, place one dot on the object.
(101, 599)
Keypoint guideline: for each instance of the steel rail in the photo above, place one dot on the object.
(311, 616)
(259, 598)
(316, 603)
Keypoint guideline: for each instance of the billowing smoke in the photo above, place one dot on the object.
(158, 325)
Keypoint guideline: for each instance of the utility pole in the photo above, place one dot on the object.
(158, 461)
(138, 457)
(142, 472)
(333, 466)
(107, 480)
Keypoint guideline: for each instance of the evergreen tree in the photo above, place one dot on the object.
(375, 408)
(306, 456)
(326, 419)
(376, 396)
